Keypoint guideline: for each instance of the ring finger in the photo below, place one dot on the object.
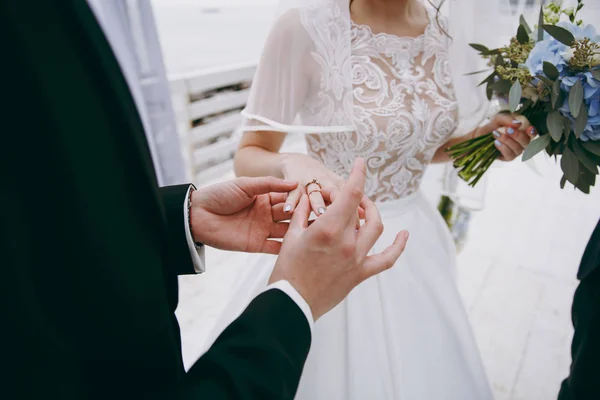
(316, 199)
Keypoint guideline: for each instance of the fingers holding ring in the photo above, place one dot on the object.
(312, 182)
(313, 189)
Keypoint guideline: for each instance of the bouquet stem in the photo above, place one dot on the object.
(473, 157)
(447, 208)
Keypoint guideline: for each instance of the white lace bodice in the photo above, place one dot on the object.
(404, 109)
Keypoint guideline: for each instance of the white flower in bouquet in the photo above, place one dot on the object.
(596, 60)
(568, 53)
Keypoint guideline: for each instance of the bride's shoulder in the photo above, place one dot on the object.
(288, 24)
(311, 19)
(286, 35)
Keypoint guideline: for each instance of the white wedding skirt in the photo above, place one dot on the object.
(401, 335)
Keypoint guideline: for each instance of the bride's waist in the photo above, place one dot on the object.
(399, 205)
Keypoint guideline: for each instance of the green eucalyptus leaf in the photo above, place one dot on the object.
(489, 79)
(586, 180)
(592, 146)
(489, 91)
(561, 100)
(480, 48)
(499, 60)
(536, 146)
(545, 79)
(583, 187)
(514, 96)
(555, 124)
(550, 70)
(563, 181)
(477, 72)
(581, 121)
(560, 34)
(524, 24)
(588, 177)
(522, 36)
(567, 127)
(555, 148)
(555, 94)
(540, 32)
(584, 157)
(502, 86)
(576, 98)
(596, 74)
(570, 166)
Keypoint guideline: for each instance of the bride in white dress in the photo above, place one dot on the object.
(371, 79)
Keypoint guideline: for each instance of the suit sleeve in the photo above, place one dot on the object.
(88, 264)
(181, 257)
(259, 356)
(582, 382)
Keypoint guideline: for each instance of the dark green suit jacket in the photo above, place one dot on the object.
(583, 382)
(91, 247)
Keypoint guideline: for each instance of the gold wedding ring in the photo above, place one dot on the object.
(313, 181)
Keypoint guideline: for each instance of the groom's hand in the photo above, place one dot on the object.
(326, 260)
(241, 215)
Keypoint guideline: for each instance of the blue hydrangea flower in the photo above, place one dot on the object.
(591, 87)
(548, 50)
(592, 129)
(581, 32)
(591, 96)
(553, 51)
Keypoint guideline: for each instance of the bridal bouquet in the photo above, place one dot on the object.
(552, 77)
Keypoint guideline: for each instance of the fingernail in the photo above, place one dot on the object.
(510, 131)
(516, 122)
(321, 210)
(287, 208)
(498, 143)
(533, 131)
(496, 133)
(406, 235)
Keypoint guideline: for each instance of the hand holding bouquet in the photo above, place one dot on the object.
(551, 77)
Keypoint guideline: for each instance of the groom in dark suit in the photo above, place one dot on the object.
(583, 382)
(91, 248)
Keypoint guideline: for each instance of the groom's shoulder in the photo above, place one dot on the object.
(591, 257)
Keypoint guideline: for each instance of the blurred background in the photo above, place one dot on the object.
(519, 250)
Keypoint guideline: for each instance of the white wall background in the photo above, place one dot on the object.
(198, 34)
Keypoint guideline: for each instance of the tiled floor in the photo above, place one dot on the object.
(517, 277)
(516, 274)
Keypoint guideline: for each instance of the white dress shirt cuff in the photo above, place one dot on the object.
(288, 289)
(196, 252)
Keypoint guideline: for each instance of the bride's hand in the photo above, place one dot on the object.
(303, 169)
(513, 134)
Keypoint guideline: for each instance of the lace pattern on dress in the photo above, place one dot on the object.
(331, 104)
(404, 108)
